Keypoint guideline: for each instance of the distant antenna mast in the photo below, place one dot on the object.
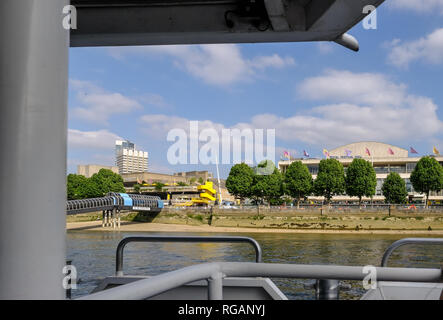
(218, 178)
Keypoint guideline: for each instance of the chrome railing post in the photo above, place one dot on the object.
(215, 287)
(327, 289)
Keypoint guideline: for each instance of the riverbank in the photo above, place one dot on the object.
(163, 227)
(272, 221)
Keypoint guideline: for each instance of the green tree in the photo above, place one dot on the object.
(330, 179)
(360, 179)
(80, 187)
(257, 190)
(274, 187)
(201, 181)
(394, 189)
(90, 190)
(137, 188)
(240, 180)
(108, 181)
(298, 181)
(427, 176)
(159, 186)
(267, 185)
(181, 184)
(192, 180)
(75, 183)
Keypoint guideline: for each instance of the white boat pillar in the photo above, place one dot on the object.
(33, 135)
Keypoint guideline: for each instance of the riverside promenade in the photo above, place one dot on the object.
(275, 219)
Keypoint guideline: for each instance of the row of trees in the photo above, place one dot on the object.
(80, 187)
(359, 181)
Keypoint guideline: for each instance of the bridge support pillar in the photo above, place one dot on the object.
(114, 217)
(107, 222)
(33, 134)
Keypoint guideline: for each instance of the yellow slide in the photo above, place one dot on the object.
(184, 204)
(208, 195)
(209, 191)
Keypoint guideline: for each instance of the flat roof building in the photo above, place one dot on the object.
(150, 177)
(128, 159)
(385, 159)
(204, 175)
(88, 170)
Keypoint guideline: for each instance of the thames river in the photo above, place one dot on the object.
(93, 254)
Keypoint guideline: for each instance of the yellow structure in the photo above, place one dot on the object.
(208, 195)
(208, 191)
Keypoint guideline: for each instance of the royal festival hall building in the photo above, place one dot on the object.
(385, 158)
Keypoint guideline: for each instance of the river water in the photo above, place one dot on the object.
(93, 254)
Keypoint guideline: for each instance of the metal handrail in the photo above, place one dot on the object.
(402, 242)
(215, 271)
(232, 239)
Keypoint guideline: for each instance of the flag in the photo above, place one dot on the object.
(391, 152)
(286, 154)
(326, 153)
(368, 152)
(348, 152)
(305, 153)
(413, 150)
(436, 152)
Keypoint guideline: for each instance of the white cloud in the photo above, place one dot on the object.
(361, 106)
(274, 61)
(325, 47)
(101, 139)
(98, 105)
(421, 6)
(158, 168)
(155, 100)
(215, 64)
(367, 106)
(429, 49)
(84, 86)
(158, 125)
(345, 86)
(333, 125)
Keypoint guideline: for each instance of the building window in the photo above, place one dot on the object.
(410, 166)
(381, 170)
(398, 169)
(313, 169)
(409, 186)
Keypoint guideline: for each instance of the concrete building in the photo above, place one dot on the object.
(204, 175)
(184, 193)
(385, 158)
(88, 170)
(130, 179)
(129, 159)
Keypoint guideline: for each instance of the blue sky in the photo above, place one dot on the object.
(315, 95)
